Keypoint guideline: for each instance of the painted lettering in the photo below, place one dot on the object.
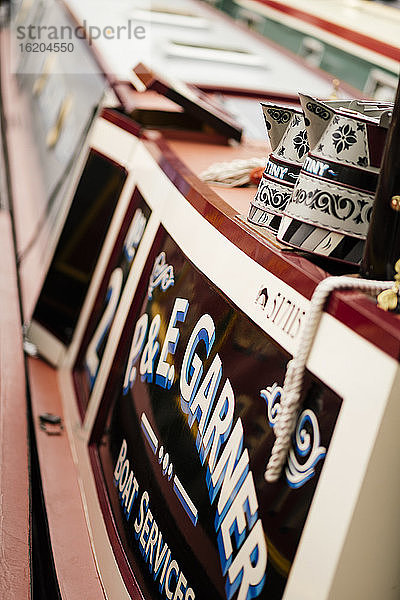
(120, 460)
(182, 581)
(112, 298)
(281, 311)
(160, 554)
(172, 567)
(166, 563)
(144, 502)
(134, 235)
(242, 514)
(143, 539)
(229, 472)
(154, 550)
(315, 167)
(162, 275)
(220, 444)
(219, 425)
(165, 371)
(247, 571)
(138, 339)
(200, 406)
(275, 170)
(295, 325)
(150, 350)
(125, 480)
(151, 543)
(192, 367)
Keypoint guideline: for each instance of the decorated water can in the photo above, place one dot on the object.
(329, 211)
(287, 134)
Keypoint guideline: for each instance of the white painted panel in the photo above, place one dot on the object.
(364, 377)
(112, 141)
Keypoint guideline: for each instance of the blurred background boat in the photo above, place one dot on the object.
(354, 40)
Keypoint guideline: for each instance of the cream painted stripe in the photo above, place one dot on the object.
(152, 182)
(157, 17)
(363, 375)
(223, 56)
(356, 12)
(191, 510)
(323, 35)
(338, 349)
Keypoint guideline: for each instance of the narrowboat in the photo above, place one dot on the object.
(191, 407)
(355, 40)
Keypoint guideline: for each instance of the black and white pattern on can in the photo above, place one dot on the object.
(331, 206)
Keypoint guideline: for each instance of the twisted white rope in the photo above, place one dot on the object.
(293, 384)
(232, 174)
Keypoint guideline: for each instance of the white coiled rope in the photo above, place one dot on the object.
(232, 174)
(293, 384)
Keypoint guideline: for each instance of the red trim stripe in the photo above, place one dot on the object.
(348, 34)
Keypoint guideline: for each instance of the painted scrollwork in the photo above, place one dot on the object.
(279, 115)
(318, 110)
(271, 198)
(340, 206)
(334, 204)
(365, 211)
(272, 396)
(306, 450)
(162, 275)
(300, 196)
